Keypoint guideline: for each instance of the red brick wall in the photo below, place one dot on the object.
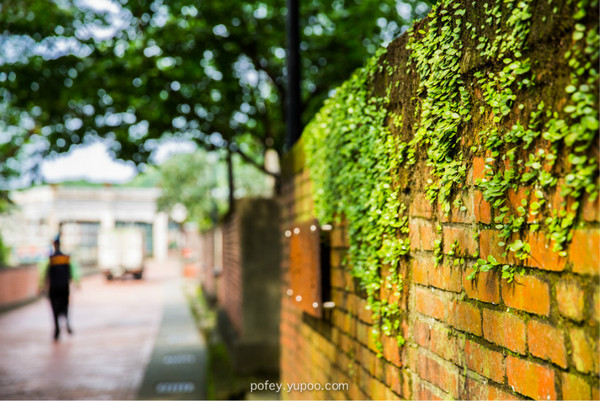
(536, 337)
(339, 347)
(207, 263)
(18, 284)
(230, 290)
(480, 339)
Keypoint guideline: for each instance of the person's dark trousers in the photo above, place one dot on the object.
(59, 299)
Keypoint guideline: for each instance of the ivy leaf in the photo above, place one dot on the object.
(590, 122)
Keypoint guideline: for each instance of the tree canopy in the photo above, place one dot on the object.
(198, 181)
(141, 70)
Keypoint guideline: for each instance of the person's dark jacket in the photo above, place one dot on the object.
(59, 270)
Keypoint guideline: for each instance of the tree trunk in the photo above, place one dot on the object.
(230, 181)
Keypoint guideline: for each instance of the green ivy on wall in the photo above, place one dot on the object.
(354, 151)
(351, 153)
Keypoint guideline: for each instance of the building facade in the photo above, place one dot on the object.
(78, 214)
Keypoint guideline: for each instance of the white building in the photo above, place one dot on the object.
(78, 213)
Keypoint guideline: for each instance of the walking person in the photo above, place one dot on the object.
(58, 278)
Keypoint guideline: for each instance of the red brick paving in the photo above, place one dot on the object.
(115, 325)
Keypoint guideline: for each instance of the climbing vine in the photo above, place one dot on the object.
(525, 155)
(475, 98)
(445, 105)
(351, 152)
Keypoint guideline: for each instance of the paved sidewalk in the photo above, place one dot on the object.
(177, 369)
(117, 325)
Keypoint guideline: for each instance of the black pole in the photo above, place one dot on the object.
(293, 123)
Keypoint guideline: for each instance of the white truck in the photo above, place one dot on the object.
(121, 251)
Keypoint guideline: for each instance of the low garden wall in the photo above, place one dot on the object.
(459, 170)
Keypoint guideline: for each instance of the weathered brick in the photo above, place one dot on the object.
(377, 390)
(421, 235)
(527, 293)
(445, 344)
(373, 339)
(584, 251)
(337, 257)
(542, 255)
(583, 351)
(337, 395)
(391, 350)
(467, 245)
(369, 360)
(420, 206)
(392, 378)
(351, 283)
(473, 390)
(484, 287)
(428, 236)
(414, 235)
(467, 215)
(337, 316)
(557, 201)
(591, 209)
(390, 290)
(570, 298)
(364, 314)
(547, 342)
(362, 333)
(481, 208)
(346, 343)
(504, 329)
(488, 245)
(575, 388)
(516, 197)
(430, 304)
(337, 237)
(444, 376)
(410, 356)
(596, 304)
(420, 270)
(351, 324)
(391, 395)
(445, 277)
(421, 333)
(530, 379)
(337, 278)
(423, 392)
(441, 213)
(484, 361)
(406, 385)
(339, 297)
(352, 303)
(465, 316)
(363, 378)
(478, 168)
(355, 392)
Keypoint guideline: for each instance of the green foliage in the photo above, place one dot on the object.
(351, 153)
(445, 103)
(518, 158)
(357, 151)
(198, 181)
(213, 72)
